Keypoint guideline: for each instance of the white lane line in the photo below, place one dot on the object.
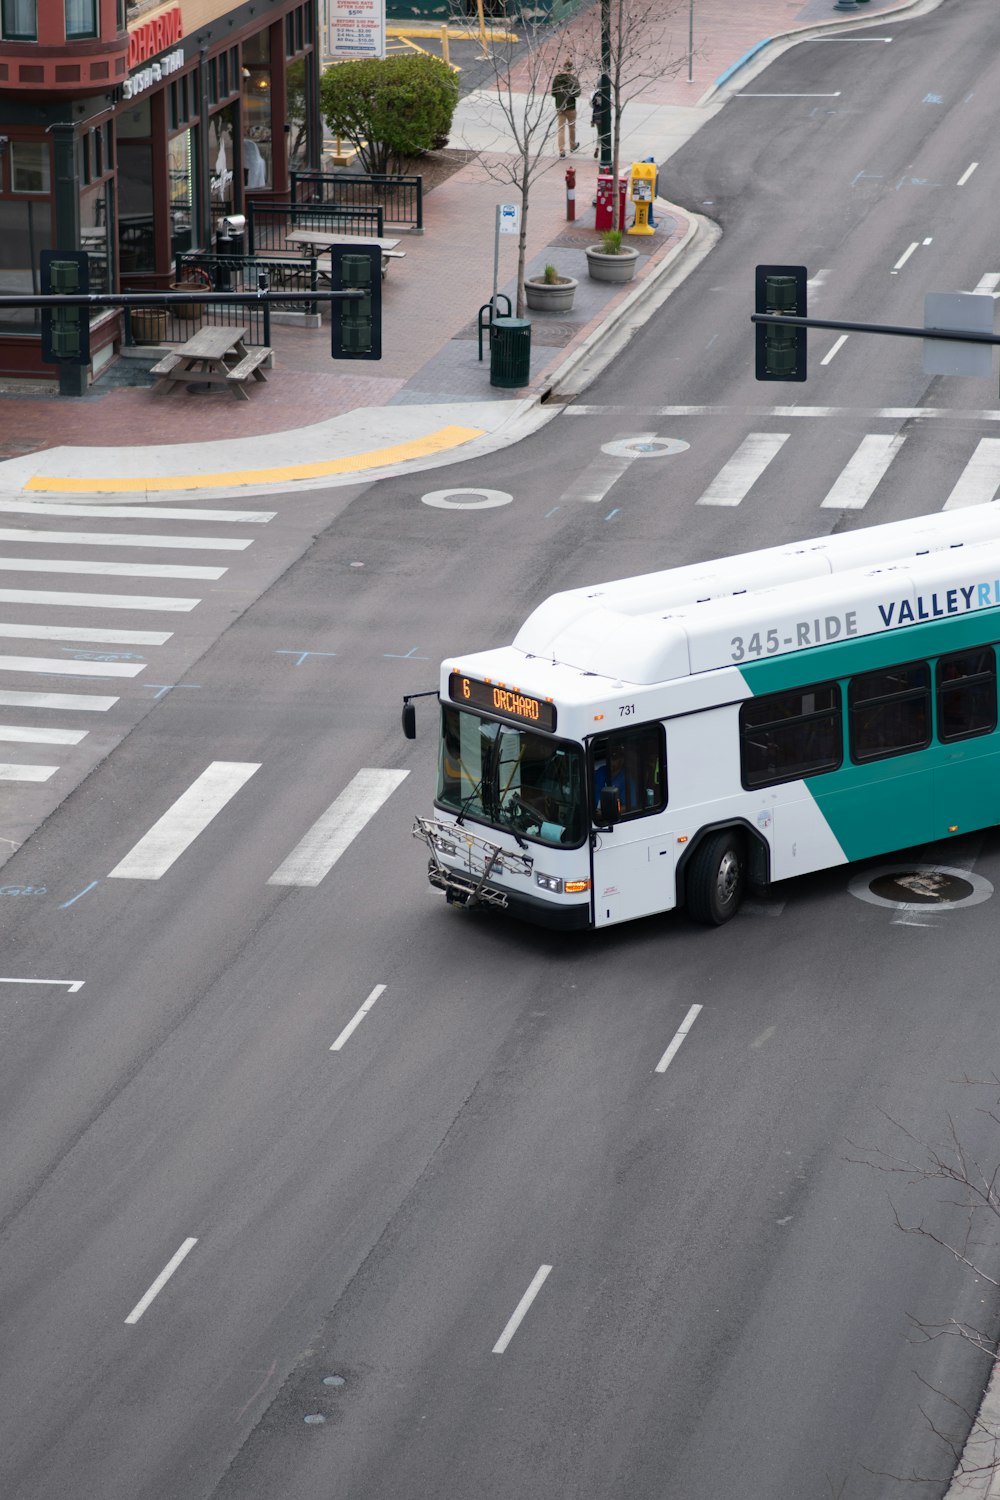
(122, 539)
(761, 413)
(10, 772)
(682, 1031)
(860, 476)
(181, 824)
(85, 633)
(70, 668)
(967, 174)
(987, 285)
(109, 569)
(745, 467)
(356, 1020)
(25, 734)
(743, 94)
(317, 853)
(604, 470)
(901, 262)
(56, 700)
(161, 1281)
(72, 985)
(97, 601)
(978, 481)
(834, 349)
(517, 1315)
(132, 512)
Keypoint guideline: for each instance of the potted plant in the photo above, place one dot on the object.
(550, 292)
(611, 260)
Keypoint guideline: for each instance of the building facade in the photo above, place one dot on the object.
(131, 129)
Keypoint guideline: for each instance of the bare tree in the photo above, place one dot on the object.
(519, 91)
(972, 1237)
(632, 39)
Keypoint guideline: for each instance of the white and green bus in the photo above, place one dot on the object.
(673, 739)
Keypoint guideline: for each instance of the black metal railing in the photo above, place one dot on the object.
(268, 224)
(175, 324)
(242, 273)
(401, 198)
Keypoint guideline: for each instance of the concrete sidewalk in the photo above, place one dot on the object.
(317, 422)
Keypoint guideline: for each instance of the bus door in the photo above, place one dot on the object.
(633, 859)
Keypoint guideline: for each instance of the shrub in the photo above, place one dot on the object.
(550, 276)
(611, 241)
(389, 108)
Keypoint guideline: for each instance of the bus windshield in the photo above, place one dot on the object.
(512, 778)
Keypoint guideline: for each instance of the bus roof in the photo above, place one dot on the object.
(661, 626)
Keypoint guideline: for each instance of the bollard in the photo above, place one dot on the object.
(570, 193)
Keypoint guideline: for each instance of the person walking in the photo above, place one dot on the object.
(565, 93)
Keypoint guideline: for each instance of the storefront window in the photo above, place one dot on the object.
(29, 166)
(25, 231)
(181, 157)
(221, 127)
(136, 247)
(95, 236)
(296, 129)
(256, 75)
(19, 20)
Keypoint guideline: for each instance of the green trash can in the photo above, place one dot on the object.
(510, 353)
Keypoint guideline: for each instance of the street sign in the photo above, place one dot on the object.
(508, 218)
(958, 310)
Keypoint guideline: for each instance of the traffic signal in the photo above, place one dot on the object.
(781, 352)
(356, 322)
(65, 330)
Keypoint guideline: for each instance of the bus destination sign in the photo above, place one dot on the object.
(507, 702)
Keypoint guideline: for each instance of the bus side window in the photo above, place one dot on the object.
(631, 761)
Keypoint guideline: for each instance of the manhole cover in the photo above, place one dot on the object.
(935, 886)
(644, 447)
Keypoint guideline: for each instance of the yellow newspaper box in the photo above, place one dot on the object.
(641, 193)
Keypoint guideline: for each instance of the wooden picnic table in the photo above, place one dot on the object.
(212, 357)
(319, 240)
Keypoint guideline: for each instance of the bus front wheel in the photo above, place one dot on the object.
(717, 878)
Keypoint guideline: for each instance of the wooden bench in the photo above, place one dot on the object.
(250, 365)
(166, 364)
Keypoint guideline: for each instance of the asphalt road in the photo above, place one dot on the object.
(728, 1302)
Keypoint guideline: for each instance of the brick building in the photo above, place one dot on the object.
(131, 129)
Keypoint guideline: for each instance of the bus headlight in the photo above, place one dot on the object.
(550, 883)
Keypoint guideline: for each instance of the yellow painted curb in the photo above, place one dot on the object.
(434, 442)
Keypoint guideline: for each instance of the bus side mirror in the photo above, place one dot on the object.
(611, 807)
(409, 720)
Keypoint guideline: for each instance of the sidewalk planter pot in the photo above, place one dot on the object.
(613, 266)
(149, 325)
(552, 295)
(188, 310)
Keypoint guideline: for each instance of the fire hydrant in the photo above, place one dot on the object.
(570, 192)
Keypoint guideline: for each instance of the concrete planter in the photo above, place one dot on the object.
(604, 267)
(550, 296)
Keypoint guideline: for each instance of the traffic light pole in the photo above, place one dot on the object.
(957, 335)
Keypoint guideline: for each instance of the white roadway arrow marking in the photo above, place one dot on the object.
(73, 984)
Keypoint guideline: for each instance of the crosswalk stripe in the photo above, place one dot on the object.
(69, 667)
(109, 569)
(123, 539)
(316, 854)
(85, 633)
(60, 701)
(745, 467)
(24, 734)
(181, 824)
(978, 481)
(97, 601)
(859, 477)
(145, 512)
(10, 772)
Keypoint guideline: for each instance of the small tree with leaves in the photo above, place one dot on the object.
(389, 108)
